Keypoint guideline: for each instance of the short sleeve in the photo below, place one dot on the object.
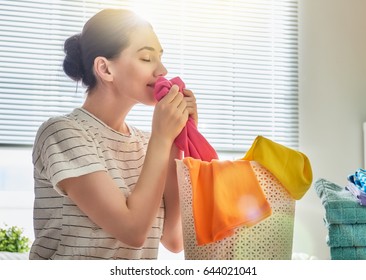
(64, 149)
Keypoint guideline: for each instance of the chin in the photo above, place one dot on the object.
(150, 101)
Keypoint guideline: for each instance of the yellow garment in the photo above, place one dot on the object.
(290, 167)
(226, 194)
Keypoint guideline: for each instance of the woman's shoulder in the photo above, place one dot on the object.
(63, 120)
(57, 126)
(56, 123)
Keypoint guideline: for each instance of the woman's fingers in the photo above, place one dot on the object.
(170, 114)
(191, 104)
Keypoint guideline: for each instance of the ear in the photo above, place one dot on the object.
(101, 69)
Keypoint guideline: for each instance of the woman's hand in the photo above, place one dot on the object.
(191, 104)
(170, 115)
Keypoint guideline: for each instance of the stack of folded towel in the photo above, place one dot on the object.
(345, 220)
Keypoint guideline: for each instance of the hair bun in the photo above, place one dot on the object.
(73, 64)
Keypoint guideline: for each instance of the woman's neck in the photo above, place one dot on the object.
(108, 109)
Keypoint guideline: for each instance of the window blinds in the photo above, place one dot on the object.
(238, 56)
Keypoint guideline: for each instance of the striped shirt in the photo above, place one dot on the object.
(73, 145)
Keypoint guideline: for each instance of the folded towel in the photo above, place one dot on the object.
(348, 253)
(190, 140)
(290, 167)
(341, 207)
(226, 195)
(346, 235)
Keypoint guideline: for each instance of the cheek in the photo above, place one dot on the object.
(133, 80)
(136, 75)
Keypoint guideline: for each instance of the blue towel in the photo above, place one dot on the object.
(341, 207)
(346, 235)
(359, 179)
(348, 253)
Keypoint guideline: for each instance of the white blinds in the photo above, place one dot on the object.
(238, 56)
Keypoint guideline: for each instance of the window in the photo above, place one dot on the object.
(238, 56)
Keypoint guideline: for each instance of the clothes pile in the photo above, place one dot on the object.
(219, 186)
(230, 204)
(345, 219)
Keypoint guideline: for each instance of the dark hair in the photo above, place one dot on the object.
(105, 34)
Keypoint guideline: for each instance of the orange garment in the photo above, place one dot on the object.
(292, 168)
(226, 194)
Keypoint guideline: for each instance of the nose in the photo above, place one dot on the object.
(161, 70)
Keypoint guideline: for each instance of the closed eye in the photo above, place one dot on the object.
(146, 60)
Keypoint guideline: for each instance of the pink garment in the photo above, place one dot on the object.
(190, 140)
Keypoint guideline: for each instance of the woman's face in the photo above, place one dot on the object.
(138, 67)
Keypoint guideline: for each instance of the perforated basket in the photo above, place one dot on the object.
(271, 239)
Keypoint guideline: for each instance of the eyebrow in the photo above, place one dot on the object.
(149, 49)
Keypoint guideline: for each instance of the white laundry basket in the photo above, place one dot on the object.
(271, 239)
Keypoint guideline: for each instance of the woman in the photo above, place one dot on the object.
(104, 189)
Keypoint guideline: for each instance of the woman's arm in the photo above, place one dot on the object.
(128, 220)
(172, 238)
(96, 194)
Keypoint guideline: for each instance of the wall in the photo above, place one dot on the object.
(332, 88)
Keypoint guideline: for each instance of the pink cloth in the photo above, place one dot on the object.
(190, 140)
